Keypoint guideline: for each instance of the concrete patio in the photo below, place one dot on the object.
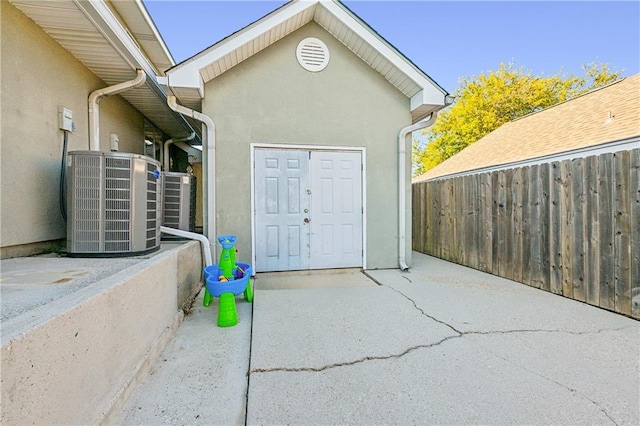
(441, 344)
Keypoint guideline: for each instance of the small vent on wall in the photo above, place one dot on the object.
(312, 54)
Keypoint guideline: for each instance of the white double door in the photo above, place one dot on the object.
(308, 209)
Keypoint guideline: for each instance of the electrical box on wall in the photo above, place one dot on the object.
(65, 119)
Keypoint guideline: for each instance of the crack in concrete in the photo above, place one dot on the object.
(458, 334)
(415, 305)
(491, 332)
(575, 392)
(541, 330)
(350, 363)
(465, 333)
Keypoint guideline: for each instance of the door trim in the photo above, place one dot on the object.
(363, 152)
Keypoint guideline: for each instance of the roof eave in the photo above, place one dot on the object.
(112, 66)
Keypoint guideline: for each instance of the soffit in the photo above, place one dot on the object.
(74, 25)
(333, 25)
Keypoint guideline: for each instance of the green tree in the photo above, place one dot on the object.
(486, 102)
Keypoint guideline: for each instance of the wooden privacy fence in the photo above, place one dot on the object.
(570, 227)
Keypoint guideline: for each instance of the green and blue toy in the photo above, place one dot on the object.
(226, 280)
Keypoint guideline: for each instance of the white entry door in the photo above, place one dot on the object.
(308, 209)
(336, 208)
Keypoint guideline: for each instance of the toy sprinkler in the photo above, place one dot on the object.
(227, 280)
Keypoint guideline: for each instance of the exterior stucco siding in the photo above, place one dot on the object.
(270, 98)
(37, 76)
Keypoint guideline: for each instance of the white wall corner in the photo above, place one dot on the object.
(427, 96)
(162, 81)
(187, 77)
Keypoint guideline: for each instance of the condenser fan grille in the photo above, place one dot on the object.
(117, 222)
(179, 204)
(114, 205)
(86, 204)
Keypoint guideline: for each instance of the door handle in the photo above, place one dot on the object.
(306, 220)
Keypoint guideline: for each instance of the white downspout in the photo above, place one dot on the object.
(208, 163)
(165, 154)
(402, 176)
(206, 244)
(94, 109)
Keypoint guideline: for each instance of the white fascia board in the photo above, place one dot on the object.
(113, 31)
(187, 74)
(388, 52)
(154, 29)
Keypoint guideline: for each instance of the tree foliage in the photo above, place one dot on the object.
(485, 102)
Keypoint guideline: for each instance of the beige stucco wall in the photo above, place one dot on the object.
(270, 98)
(37, 75)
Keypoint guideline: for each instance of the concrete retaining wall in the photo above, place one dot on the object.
(73, 360)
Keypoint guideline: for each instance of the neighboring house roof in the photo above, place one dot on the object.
(187, 79)
(113, 39)
(581, 126)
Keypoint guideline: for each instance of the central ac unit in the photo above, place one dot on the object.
(179, 193)
(114, 204)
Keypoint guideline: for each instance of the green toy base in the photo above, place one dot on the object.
(227, 314)
(248, 292)
(208, 298)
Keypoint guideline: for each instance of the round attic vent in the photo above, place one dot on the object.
(312, 54)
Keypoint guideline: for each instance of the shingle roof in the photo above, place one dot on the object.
(608, 114)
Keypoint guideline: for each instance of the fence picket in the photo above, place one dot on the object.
(605, 207)
(533, 251)
(634, 219)
(592, 233)
(577, 230)
(622, 234)
(555, 218)
(516, 223)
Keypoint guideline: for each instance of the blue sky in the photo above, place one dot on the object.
(447, 40)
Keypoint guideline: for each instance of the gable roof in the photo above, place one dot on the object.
(113, 39)
(186, 80)
(603, 116)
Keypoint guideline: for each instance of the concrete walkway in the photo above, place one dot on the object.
(441, 344)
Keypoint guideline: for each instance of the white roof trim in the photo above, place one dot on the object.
(105, 21)
(424, 93)
(381, 46)
(152, 26)
(187, 73)
(105, 43)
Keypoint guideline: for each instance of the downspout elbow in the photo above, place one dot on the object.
(204, 241)
(165, 154)
(402, 151)
(94, 109)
